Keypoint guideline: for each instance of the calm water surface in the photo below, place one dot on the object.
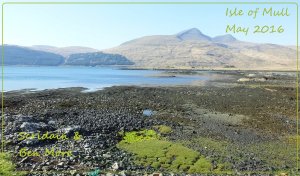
(93, 78)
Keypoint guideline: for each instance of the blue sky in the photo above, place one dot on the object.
(105, 26)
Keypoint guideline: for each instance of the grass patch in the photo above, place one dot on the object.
(181, 158)
(163, 129)
(281, 155)
(151, 150)
(7, 168)
(136, 136)
(201, 166)
(292, 139)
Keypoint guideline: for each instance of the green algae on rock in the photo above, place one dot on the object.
(152, 150)
(7, 168)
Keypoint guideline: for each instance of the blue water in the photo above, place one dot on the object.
(148, 112)
(92, 78)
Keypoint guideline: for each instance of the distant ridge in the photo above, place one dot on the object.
(224, 38)
(19, 55)
(16, 55)
(193, 49)
(64, 51)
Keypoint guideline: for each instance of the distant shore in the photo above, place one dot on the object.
(124, 67)
(210, 69)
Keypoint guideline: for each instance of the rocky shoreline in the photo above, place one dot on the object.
(228, 120)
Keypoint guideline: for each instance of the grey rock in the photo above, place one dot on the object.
(32, 127)
(69, 130)
(115, 166)
(106, 155)
(51, 122)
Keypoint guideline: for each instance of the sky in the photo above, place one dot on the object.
(105, 26)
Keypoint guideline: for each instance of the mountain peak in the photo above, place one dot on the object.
(192, 30)
(192, 34)
(224, 38)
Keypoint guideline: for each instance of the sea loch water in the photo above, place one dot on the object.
(93, 78)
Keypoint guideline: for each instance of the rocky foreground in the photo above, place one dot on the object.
(241, 123)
